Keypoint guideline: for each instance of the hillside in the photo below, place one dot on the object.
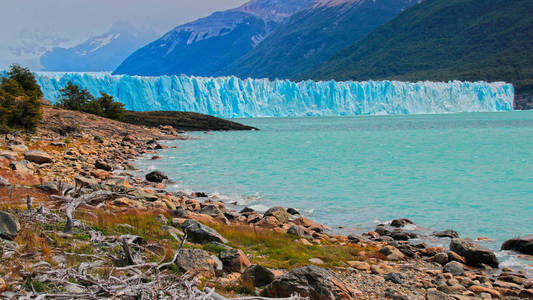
(444, 40)
(100, 53)
(313, 35)
(206, 46)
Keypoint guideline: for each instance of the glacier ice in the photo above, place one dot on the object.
(231, 97)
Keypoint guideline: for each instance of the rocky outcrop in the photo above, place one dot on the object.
(309, 281)
(279, 213)
(452, 234)
(196, 260)
(257, 275)
(201, 234)
(234, 260)
(37, 156)
(473, 253)
(156, 176)
(400, 222)
(522, 244)
(9, 226)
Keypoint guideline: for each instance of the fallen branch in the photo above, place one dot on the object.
(175, 255)
(73, 205)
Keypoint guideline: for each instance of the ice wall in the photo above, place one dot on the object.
(231, 97)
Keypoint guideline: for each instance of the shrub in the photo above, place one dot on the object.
(20, 100)
(74, 98)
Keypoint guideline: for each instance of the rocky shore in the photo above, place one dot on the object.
(76, 223)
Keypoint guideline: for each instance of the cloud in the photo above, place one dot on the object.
(28, 27)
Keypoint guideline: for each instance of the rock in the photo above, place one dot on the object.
(394, 277)
(382, 231)
(38, 157)
(279, 213)
(355, 238)
(50, 187)
(298, 231)
(211, 210)
(3, 286)
(392, 253)
(156, 176)
(441, 258)
(234, 260)
(455, 268)
(309, 281)
(359, 265)
(100, 174)
(522, 244)
(200, 195)
(474, 254)
(84, 182)
(456, 257)
(103, 166)
(400, 235)
(400, 222)
(481, 289)
(196, 260)
(526, 294)
(9, 226)
(452, 234)
(247, 211)
(180, 212)
(3, 181)
(18, 148)
(21, 167)
(292, 211)
(316, 261)
(434, 294)
(129, 139)
(201, 234)
(257, 276)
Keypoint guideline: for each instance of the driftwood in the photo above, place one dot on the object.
(74, 203)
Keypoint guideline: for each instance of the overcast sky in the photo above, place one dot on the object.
(29, 27)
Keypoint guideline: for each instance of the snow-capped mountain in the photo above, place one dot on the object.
(100, 53)
(207, 45)
(313, 35)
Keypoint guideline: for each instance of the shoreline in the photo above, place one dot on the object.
(360, 266)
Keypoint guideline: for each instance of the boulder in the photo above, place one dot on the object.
(196, 260)
(394, 277)
(298, 231)
(37, 156)
(102, 165)
(473, 253)
(455, 268)
(9, 226)
(279, 213)
(522, 244)
(392, 253)
(234, 261)
(257, 276)
(201, 234)
(293, 211)
(400, 222)
(22, 167)
(452, 234)
(156, 176)
(310, 281)
(3, 181)
(50, 187)
(441, 258)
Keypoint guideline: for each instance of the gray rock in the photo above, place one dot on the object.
(298, 231)
(382, 231)
(474, 254)
(37, 156)
(9, 226)
(522, 244)
(156, 176)
(400, 222)
(441, 258)
(434, 294)
(279, 213)
(257, 276)
(180, 212)
(201, 234)
(293, 211)
(355, 238)
(196, 260)
(394, 277)
(50, 187)
(234, 260)
(3, 181)
(21, 167)
(455, 268)
(309, 281)
(452, 234)
(102, 165)
(211, 210)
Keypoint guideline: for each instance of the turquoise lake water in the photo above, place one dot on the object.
(469, 172)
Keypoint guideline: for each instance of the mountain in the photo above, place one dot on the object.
(101, 53)
(489, 40)
(314, 34)
(206, 46)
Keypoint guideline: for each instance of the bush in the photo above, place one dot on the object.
(74, 98)
(20, 100)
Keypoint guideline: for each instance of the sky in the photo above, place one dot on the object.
(30, 27)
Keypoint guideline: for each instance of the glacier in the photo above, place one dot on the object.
(231, 97)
